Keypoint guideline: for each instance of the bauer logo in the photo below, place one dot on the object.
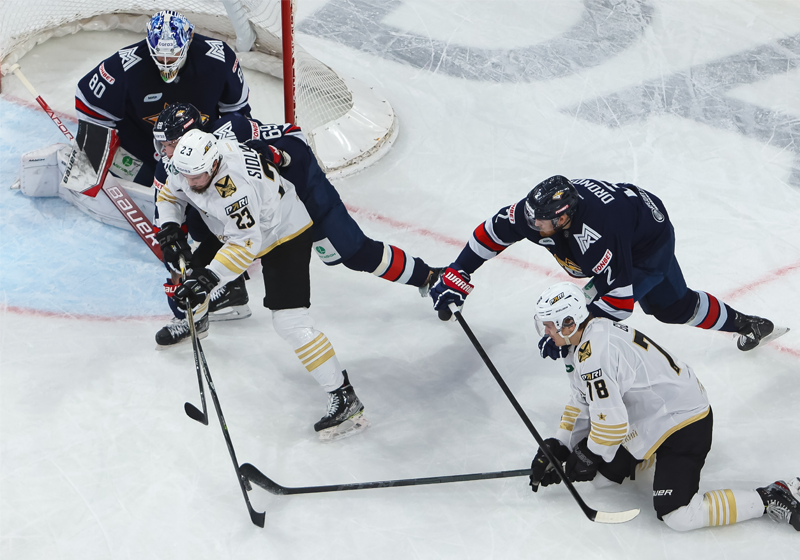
(657, 493)
(600, 267)
(236, 206)
(152, 97)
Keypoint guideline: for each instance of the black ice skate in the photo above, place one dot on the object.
(430, 282)
(345, 416)
(782, 501)
(755, 330)
(229, 302)
(177, 331)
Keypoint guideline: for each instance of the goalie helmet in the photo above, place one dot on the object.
(563, 304)
(168, 36)
(549, 200)
(176, 120)
(195, 153)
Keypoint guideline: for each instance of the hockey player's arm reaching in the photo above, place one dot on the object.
(610, 261)
(488, 240)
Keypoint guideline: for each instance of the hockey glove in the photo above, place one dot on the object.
(173, 246)
(582, 464)
(548, 349)
(542, 470)
(196, 288)
(453, 287)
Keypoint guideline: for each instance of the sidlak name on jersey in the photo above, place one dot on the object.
(236, 206)
(592, 375)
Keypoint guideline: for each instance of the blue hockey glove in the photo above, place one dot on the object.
(453, 287)
(582, 464)
(196, 288)
(548, 349)
(542, 470)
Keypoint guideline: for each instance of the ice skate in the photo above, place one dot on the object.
(782, 501)
(229, 302)
(430, 282)
(177, 331)
(754, 331)
(345, 416)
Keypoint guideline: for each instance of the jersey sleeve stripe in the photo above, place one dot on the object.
(82, 105)
(618, 314)
(625, 304)
(396, 266)
(602, 441)
(240, 104)
(485, 238)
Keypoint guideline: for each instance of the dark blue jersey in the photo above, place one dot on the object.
(614, 227)
(126, 91)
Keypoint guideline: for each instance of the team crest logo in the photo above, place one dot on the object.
(585, 351)
(129, 58)
(225, 186)
(216, 50)
(586, 237)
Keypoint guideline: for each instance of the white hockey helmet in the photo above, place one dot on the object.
(563, 304)
(168, 36)
(195, 153)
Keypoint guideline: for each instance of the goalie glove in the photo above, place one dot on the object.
(453, 287)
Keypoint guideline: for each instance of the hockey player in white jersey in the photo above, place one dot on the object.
(631, 401)
(256, 214)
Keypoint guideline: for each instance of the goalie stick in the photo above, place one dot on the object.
(591, 514)
(116, 193)
(257, 477)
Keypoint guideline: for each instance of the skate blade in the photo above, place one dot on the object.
(777, 332)
(230, 313)
(200, 336)
(349, 427)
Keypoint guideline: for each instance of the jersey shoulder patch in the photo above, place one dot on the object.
(216, 49)
(585, 351)
(128, 57)
(225, 186)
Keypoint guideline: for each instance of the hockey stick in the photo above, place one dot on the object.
(592, 514)
(256, 517)
(190, 409)
(257, 477)
(116, 193)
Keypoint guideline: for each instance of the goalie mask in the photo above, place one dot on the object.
(168, 36)
(195, 153)
(564, 305)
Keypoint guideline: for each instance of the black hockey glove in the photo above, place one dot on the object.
(196, 288)
(548, 349)
(453, 287)
(542, 470)
(174, 246)
(582, 464)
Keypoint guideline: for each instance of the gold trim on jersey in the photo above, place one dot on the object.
(609, 435)
(285, 239)
(674, 429)
(235, 258)
(585, 351)
(316, 352)
(721, 506)
(164, 195)
(569, 418)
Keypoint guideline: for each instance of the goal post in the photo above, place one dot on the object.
(348, 124)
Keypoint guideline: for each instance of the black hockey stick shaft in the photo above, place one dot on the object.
(589, 512)
(191, 410)
(257, 477)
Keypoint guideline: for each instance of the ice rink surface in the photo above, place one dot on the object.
(697, 101)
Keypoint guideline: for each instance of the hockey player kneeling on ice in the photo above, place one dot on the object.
(632, 401)
(246, 203)
(620, 236)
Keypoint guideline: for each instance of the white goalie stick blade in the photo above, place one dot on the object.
(349, 427)
(616, 517)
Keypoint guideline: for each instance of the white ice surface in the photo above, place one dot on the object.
(98, 459)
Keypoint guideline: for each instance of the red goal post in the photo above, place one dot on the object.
(348, 124)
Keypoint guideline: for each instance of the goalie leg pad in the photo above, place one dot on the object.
(39, 171)
(311, 346)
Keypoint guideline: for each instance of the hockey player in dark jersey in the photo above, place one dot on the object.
(620, 236)
(337, 237)
(128, 90)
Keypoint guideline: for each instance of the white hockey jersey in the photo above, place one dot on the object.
(627, 390)
(248, 206)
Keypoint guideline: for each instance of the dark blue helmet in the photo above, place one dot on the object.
(176, 120)
(551, 199)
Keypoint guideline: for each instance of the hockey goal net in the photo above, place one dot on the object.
(347, 123)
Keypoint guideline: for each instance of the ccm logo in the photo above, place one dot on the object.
(600, 267)
(662, 493)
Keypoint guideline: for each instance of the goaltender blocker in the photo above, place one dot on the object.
(632, 401)
(256, 214)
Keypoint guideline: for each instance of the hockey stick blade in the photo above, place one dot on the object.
(195, 414)
(260, 479)
(615, 517)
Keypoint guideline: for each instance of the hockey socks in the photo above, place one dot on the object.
(397, 266)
